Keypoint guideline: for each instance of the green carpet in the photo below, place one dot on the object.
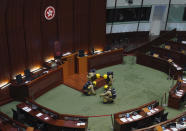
(135, 86)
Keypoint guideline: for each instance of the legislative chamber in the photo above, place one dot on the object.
(92, 65)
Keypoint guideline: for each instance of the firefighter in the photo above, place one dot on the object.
(108, 78)
(109, 94)
(88, 88)
(91, 75)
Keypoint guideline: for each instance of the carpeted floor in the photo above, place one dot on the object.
(135, 85)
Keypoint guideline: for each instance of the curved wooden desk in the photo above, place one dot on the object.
(160, 64)
(52, 119)
(176, 95)
(5, 96)
(8, 124)
(166, 125)
(178, 57)
(176, 46)
(47, 80)
(97, 61)
(142, 118)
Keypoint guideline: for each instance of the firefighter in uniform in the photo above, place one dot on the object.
(108, 78)
(107, 95)
(88, 88)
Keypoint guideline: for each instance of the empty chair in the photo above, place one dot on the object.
(15, 115)
(40, 126)
(18, 116)
(164, 117)
(161, 118)
(155, 105)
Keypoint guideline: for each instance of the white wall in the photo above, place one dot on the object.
(155, 2)
(144, 27)
(178, 26)
(111, 3)
(125, 27)
(117, 28)
(178, 1)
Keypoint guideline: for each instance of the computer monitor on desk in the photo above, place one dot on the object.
(107, 47)
(28, 74)
(19, 79)
(81, 53)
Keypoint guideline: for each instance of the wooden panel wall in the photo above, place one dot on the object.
(4, 58)
(32, 26)
(81, 24)
(16, 37)
(48, 29)
(27, 38)
(97, 24)
(66, 24)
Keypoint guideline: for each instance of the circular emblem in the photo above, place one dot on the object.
(49, 13)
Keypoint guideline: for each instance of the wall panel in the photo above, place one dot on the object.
(65, 24)
(98, 24)
(81, 24)
(48, 29)
(4, 59)
(33, 32)
(16, 41)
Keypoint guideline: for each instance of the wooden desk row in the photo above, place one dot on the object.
(52, 77)
(8, 124)
(169, 125)
(38, 86)
(138, 118)
(177, 95)
(5, 96)
(176, 46)
(177, 56)
(160, 64)
(53, 121)
(97, 61)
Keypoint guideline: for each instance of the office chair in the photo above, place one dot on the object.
(161, 118)
(44, 111)
(164, 117)
(34, 107)
(171, 125)
(135, 113)
(15, 115)
(155, 104)
(27, 74)
(19, 79)
(81, 53)
(54, 116)
(184, 68)
(107, 47)
(20, 116)
(40, 126)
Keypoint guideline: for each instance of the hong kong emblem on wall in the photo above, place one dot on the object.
(49, 12)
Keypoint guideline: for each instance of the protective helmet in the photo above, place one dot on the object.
(94, 82)
(93, 70)
(110, 73)
(105, 86)
(97, 75)
(105, 76)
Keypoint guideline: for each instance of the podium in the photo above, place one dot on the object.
(69, 65)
